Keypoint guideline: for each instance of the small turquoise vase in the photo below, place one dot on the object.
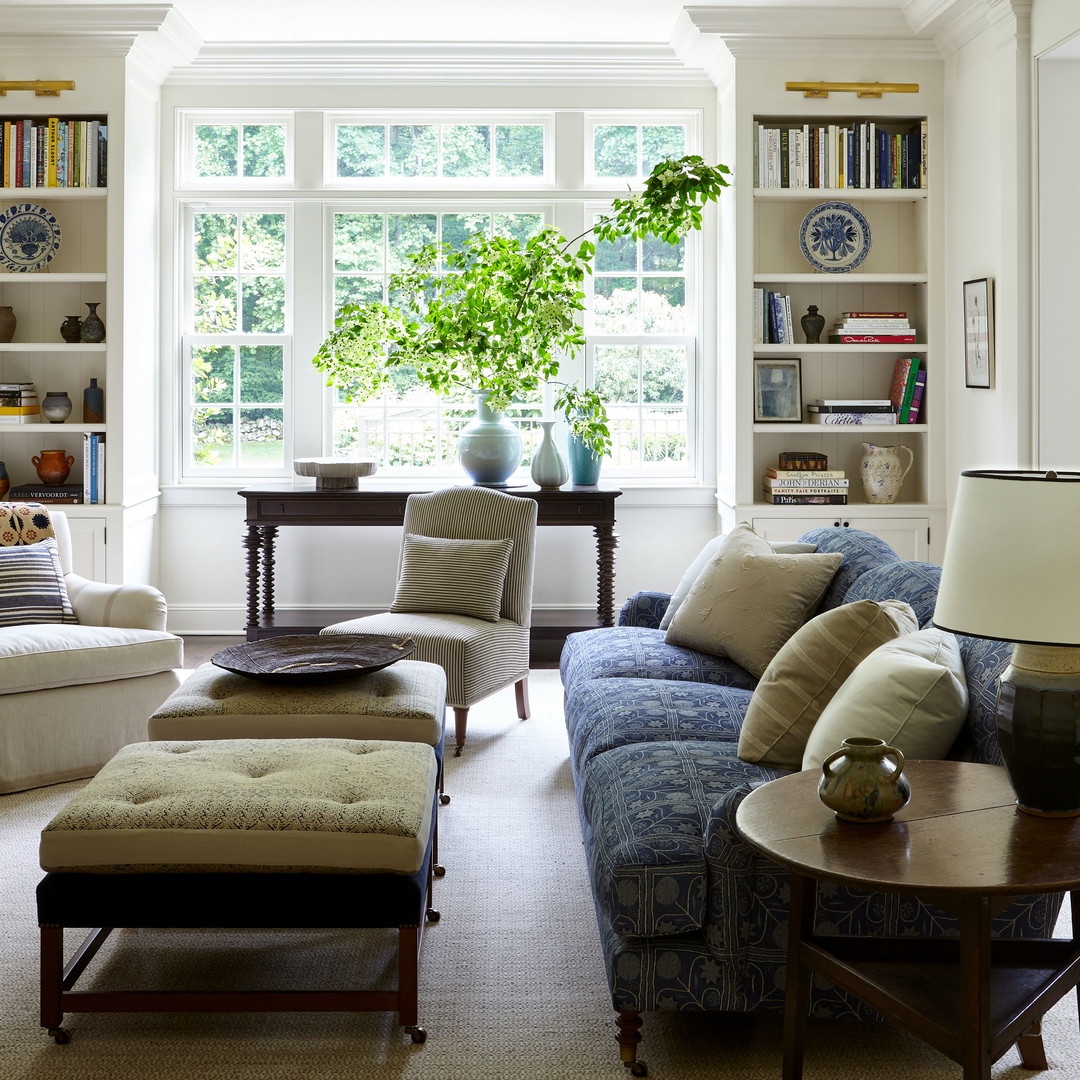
(584, 463)
(489, 447)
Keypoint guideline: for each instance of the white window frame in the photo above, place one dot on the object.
(332, 120)
(189, 119)
(690, 118)
(189, 470)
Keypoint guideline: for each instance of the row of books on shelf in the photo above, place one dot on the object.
(804, 479)
(91, 490)
(904, 405)
(864, 154)
(772, 318)
(54, 153)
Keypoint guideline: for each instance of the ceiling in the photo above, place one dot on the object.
(615, 21)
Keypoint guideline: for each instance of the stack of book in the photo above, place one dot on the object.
(872, 328)
(814, 485)
(47, 493)
(908, 388)
(852, 411)
(19, 403)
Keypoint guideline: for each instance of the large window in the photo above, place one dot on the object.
(264, 270)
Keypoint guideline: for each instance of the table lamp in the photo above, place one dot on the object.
(1012, 572)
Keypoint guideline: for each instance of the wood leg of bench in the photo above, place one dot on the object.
(52, 976)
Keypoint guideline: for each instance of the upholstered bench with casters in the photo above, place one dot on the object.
(405, 702)
(242, 833)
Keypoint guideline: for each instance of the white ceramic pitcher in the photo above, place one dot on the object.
(883, 471)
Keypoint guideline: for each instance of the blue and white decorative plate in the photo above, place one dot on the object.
(29, 237)
(834, 237)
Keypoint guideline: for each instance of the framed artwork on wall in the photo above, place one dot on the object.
(979, 333)
(777, 391)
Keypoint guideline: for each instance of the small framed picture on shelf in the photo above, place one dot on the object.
(777, 390)
(979, 333)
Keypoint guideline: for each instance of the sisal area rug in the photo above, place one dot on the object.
(511, 980)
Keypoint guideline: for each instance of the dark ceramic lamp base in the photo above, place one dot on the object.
(1038, 726)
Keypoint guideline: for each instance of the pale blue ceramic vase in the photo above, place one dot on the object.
(584, 463)
(489, 447)
(549, 469)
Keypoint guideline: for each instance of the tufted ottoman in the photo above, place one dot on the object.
(241, 833)
(404, 702)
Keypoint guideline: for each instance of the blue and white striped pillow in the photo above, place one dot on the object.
(32, 588)
(452, 577)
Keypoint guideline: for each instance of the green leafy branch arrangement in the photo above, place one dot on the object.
(495, 315)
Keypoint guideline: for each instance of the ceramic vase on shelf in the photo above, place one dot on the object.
(813, 324)
(864, 781)
(584, 463)
(53, 466)
(71, 329)
(7, 323)
(93, 404)
(56, 407)
(93, 329)
(883, 471)
(489, 447)
(549, 469)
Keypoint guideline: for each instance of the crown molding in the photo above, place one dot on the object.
(955, 23)
(770, 32)
(433, 63)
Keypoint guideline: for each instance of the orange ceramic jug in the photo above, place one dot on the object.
(53, 466)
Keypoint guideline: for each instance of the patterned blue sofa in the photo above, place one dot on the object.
(690, 917)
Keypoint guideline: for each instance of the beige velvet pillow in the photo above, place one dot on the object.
(911, 692)
(808, 671)
(748, 601)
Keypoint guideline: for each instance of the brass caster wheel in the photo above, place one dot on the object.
(438, 870)
(61, 1035)
(638, 1068)
(433, 915)
(457, 751)
(444, 799)
(417, 1034)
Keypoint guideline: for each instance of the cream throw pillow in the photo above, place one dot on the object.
(706, 556)
(911, 692)
(809, 670)
(747, 601)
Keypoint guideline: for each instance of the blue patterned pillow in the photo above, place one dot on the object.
(32, 588)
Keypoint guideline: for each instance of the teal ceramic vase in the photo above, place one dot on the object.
(864, 781)
(584, 463)
(489, 447)
(549, 469)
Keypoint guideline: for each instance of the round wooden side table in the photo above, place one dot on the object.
(960, 843)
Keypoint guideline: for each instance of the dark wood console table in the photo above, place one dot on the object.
(267, 509)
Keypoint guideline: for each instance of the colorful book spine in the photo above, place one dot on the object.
(807, 500)
(796, 474)
(834, 489)
(776, 483)
(852, 419)
(911, 415)
(872, 339)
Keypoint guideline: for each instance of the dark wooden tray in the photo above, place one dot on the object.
(313, 658)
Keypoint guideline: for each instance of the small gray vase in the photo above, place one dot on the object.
(549, 469)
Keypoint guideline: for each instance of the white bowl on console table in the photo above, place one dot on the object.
(334, 474)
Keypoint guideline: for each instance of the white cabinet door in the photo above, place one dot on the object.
(908, 537)
(88, 546)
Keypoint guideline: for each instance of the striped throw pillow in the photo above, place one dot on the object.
(452, 577)
(32, 588)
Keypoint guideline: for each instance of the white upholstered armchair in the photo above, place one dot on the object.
(82, 664)
(464, 593)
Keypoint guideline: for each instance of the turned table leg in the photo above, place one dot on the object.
(606, 543)
(253, 544)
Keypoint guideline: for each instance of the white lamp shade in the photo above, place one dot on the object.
(1012, 558)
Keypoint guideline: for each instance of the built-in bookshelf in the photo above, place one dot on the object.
(56, 165)
(880, 163)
